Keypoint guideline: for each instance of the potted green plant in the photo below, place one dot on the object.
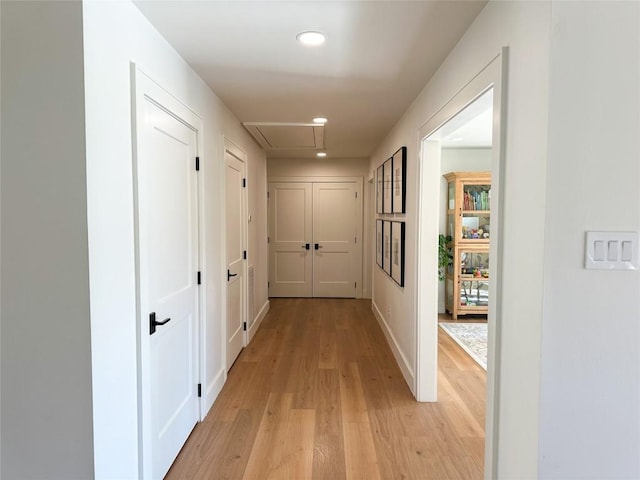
(445, 255)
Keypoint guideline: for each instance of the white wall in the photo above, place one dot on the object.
(329, 167)
(0, 245)
(457, 160)
(116, 34)
(336, 167)
(524, 28)
(590, 391)
(46, 356)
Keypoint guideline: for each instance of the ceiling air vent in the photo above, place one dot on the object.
(285, 136)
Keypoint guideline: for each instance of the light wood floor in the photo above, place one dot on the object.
(318, 395)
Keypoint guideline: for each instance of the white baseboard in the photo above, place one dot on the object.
(211, 392)
(258, 320)
(405, 367)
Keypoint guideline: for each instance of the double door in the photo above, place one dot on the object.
(315, 249)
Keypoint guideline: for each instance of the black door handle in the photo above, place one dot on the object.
(317, 246)
(229, 274)
(307, 246)
(153, 323)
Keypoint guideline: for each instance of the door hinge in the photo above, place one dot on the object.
(244, 254)
(355, 239)
(268, 239)
(268, 284)
(355, 284)
(197, 164)
(244, 326)
(199, 278)
(267, 194)
(356, 194)
(244, 183)
(199, 390)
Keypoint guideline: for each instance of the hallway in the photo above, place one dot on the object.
(317, 394)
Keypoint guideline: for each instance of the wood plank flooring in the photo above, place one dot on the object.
(318, 395)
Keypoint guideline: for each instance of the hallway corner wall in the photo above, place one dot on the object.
(590, 376)
(46, 363)
(116, 34)
(524, 27)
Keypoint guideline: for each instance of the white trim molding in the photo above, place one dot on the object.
(405, 366)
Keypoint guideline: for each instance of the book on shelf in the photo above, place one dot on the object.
(477, 200)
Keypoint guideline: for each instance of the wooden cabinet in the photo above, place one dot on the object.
(469, 225)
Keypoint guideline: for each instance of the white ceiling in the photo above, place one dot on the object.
(471, 128)
(377, 58)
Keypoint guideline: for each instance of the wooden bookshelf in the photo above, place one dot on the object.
(469, 225)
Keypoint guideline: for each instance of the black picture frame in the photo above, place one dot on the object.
(399, 180)
(379, 243)
(397, 252)
(380, 189)
(386, 247)
(387, 199)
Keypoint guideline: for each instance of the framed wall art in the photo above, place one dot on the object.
(379, 243)
(380, 189)
(387, 200)
(397, 252)
(399, 180)
(386, 247)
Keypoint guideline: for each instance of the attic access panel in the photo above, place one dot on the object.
(283, 136)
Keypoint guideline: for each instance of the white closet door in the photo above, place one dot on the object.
(167, 212)
(290, 239)
(235, 241)
(336, 248)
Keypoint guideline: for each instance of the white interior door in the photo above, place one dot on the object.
(167, 220)
(290, 240)
(235, 230)
(335, 237)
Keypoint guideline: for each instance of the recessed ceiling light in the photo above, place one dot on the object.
(320, 120)
(321, 154)
(311, 39)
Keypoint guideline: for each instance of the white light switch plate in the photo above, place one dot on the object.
(611, 251)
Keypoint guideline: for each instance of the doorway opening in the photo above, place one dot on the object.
(466, 206)
(463, 147)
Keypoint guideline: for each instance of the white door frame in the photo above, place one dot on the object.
(142, 86)
(359, 227)
(493, 75)
(232, 149)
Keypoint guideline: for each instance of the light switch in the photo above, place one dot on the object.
(598, 251)
(611, 250)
